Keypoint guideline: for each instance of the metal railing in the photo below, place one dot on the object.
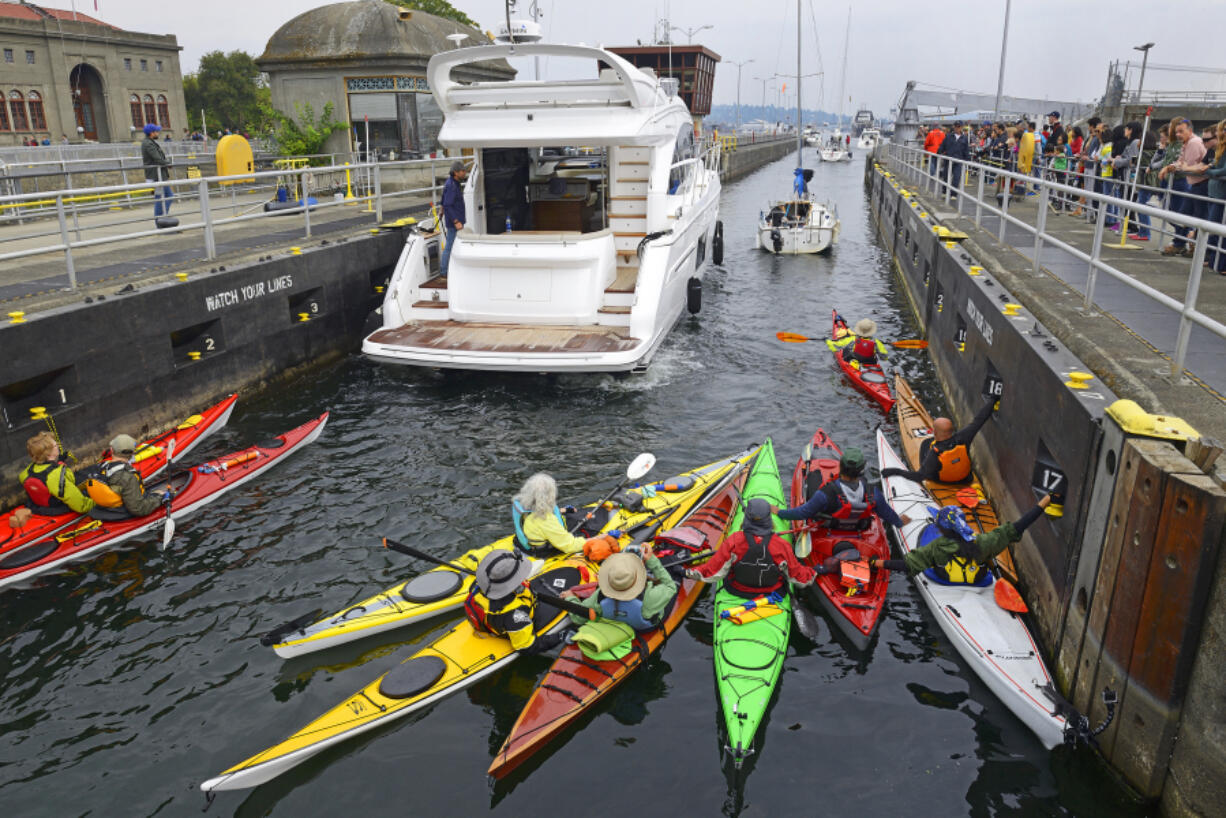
(918, 167)
(209, 195)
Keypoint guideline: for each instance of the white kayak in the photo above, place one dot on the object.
(996, 643)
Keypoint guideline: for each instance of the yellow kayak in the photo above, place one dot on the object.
(442, 590)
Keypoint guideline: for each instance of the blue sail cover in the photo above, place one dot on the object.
(798, 182)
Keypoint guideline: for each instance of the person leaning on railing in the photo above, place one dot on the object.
(1214, 167)
(1191, 154)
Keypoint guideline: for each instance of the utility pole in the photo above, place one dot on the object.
(738, 88)
(1000, 82)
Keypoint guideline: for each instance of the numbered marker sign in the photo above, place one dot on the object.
(993, 386)
(1049, 479)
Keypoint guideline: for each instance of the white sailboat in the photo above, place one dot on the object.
(836, 150)
(800, 223)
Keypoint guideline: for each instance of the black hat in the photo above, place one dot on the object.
(757, 515)
(1056, 114)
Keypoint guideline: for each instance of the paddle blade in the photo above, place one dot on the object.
(1008, 597)
(640, 466)
(792, 337)
(968, 496)
(910, 343)
(168, 531)
(806, 622)
(170, 451)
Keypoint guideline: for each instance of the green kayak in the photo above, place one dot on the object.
(749, 655)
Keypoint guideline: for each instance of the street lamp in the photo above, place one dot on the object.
(738, 88)
(1144, 49)
(763, 80)
(689, 32)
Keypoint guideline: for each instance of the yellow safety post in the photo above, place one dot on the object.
(1011, 309)
(17, 317)
(303, 317)
(297, 251)
(975, 270)
(1077, 380)
(349, 200)
(195, 356)
(181, 276)
(38, 412)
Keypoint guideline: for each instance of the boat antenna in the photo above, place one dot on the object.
(511, 33)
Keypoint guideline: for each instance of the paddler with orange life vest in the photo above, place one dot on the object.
(626, 593)
(119, 485)
(848, 502)
(760, 561)
(501, 602)
(945, 457)
(50, 485)
(860, 345)
(957, 555)
(539, 529)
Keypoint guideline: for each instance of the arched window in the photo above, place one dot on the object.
(4, 114)
(163, 111)
(138, 116)
(38, 119)
(151, 111)
(17, 105)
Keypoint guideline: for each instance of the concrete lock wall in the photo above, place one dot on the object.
(1126, 588)
(749, 156)
(123, 365)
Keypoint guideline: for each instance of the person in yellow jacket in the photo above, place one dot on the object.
(539, 526)
(501, 602)
(1026, 148)
(860, 345)
(49, 483)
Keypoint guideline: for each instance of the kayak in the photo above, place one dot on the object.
(854, 609)
(915, 426)
(575, 682)
(749, 656)
(868, 379)
(191, 490)
(996, 643)
(151, 460)
(442, 590)
(457, 659)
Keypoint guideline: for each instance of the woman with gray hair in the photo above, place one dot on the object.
(539, 526)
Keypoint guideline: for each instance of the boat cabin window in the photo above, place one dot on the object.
(545, 190)
(683, 149)
(791, 214)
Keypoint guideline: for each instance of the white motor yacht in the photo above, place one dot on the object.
(592, 215)
(868, 140)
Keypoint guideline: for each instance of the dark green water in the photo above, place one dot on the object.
(133, 678)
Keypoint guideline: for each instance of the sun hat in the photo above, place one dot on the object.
(123, 444)
(622, 576)
(501, 572)
(866, 326)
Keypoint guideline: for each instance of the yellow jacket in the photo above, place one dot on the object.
(540, 530)
(1025, 152)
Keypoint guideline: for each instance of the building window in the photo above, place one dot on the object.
(29, 58)
(163, 112)
(8, 55)
(38, 119)
(127, 63)
(138, 116)
(159, 66)
(17, 105)
(144, 65)
(151, 111)
(4, 116)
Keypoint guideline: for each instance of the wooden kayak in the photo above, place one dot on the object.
(855, 610)
(870, 380)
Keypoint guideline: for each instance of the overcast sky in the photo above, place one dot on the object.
(1058, 49)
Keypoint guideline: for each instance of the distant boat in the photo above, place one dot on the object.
(862, 120)
(868, 140)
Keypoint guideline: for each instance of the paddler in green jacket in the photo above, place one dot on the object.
(120, 485)
(958, 554)
(625, 593)
(49, 483)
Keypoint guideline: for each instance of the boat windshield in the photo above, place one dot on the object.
(548, 189)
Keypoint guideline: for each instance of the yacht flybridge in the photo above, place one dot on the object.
(592, 216)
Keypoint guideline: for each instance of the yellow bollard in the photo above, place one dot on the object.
(975, 270)
(296, 251)
(181, 276)
(38, 412)
(349, 200)
(195, 356)
(303, 317)
(1011, 309)
(17, 317)
(1077, 380)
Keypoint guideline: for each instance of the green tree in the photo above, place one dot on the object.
(305, 134)
(231, 91)
(439, 8)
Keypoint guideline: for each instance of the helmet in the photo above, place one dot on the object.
(852, 463)
(950, 520)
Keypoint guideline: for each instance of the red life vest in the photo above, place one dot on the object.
(846, 517)
(865, 349)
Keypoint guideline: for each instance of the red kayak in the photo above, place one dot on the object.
(869, 379)
(574, 683)
(191, 489)
(150, 462)
(855, 598)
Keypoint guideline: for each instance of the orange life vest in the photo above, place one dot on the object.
(98, 490)
(955, 464)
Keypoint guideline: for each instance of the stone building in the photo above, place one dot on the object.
(368, 58)
(64, 73)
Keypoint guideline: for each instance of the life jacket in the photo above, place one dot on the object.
(850, 516)
(97, 487)
(515, 615)
(45, 500)
(1107, 170)
(628, 612)
(757, 569)
(865, 349)
(533, 546)
(955, 463)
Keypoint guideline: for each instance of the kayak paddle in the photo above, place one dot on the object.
(806, 622)
(637, 468)
(168, 529)
(422, 555)
(906, 343)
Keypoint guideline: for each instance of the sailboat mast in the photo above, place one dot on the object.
(843, 75)
(800, 162)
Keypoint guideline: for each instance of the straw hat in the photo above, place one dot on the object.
(866, 327)
(501, 573)
(622, 576)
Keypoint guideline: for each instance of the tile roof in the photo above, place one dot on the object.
(29, 11)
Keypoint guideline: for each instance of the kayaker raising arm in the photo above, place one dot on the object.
(861, 345)
(848, 502)
(49, 483)
(626, 595)
(539, 526)
(958, 553)
(120, 485)
(946, 457)
(501, 602)
(762, 561)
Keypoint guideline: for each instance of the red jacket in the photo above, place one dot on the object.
(932, 142)
(780, 551)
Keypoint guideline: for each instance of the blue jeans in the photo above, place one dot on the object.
(161, 201)
(446, 259)
(1215, 256)
(1196, 208)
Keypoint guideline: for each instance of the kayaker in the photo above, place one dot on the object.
(861, 345)
(539, 528)
(501, 602)
(49, 483)
(956, 556)
(626, 595)
(846, 503)
(119, 485)
(945, 457)
(762, 561)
